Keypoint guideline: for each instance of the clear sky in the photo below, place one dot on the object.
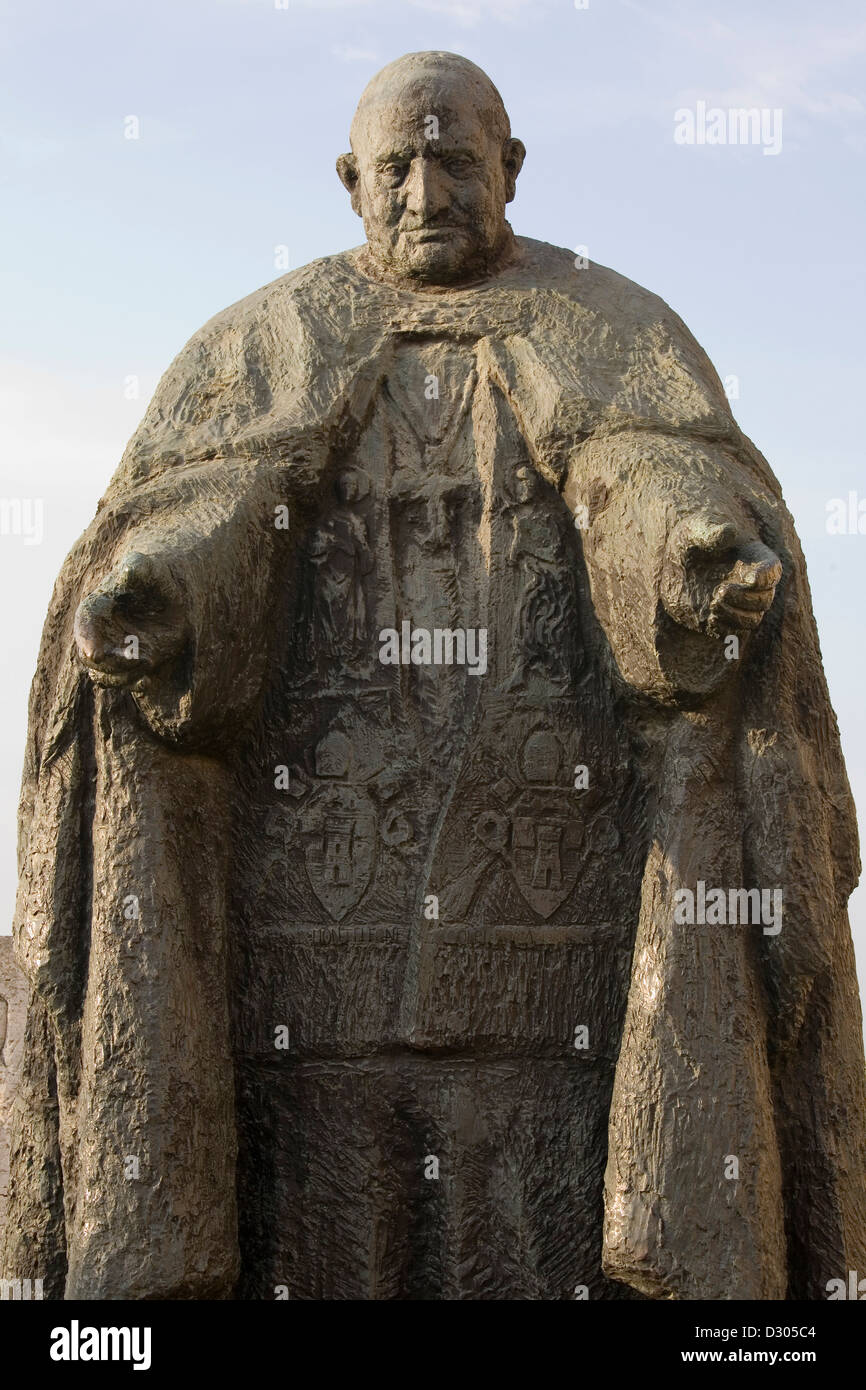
(117, 249)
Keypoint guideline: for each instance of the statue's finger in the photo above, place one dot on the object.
(758, 566)
(764, 576)
(744, 596)
(736, 616)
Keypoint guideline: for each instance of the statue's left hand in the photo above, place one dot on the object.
(717, 578)
(133, 623)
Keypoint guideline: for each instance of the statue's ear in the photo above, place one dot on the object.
(347, 168)
(513, 156)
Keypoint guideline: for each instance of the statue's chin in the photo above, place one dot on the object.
(433, 260)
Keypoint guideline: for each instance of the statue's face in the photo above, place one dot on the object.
(431, 182)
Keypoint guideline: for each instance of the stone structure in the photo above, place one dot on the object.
(13, 1008)
(435, 838)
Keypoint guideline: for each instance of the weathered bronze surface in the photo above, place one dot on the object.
(439, 648)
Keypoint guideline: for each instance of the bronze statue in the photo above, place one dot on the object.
(514, 963)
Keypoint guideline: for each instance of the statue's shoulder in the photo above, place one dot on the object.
(594, 288)
(274, 338)
(595, 310)
(308, 289)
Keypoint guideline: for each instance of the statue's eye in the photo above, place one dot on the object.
(458, 166)
(394, 173)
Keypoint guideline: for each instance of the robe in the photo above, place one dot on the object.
(361, 978)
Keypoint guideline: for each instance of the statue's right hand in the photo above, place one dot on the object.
(133, 623)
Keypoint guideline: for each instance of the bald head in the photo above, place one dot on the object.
(432, 166)
(431, 80)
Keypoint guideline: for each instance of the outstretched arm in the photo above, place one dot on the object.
(181, 613)
(676, 546)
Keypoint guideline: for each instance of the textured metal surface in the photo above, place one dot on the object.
(364, 974)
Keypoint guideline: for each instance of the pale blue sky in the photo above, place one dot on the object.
(116, 250)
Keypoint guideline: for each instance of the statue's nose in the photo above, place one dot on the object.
(426, 195)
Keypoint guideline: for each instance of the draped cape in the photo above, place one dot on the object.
(736, 1159)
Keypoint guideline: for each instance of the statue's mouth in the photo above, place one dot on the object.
(425, 234)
